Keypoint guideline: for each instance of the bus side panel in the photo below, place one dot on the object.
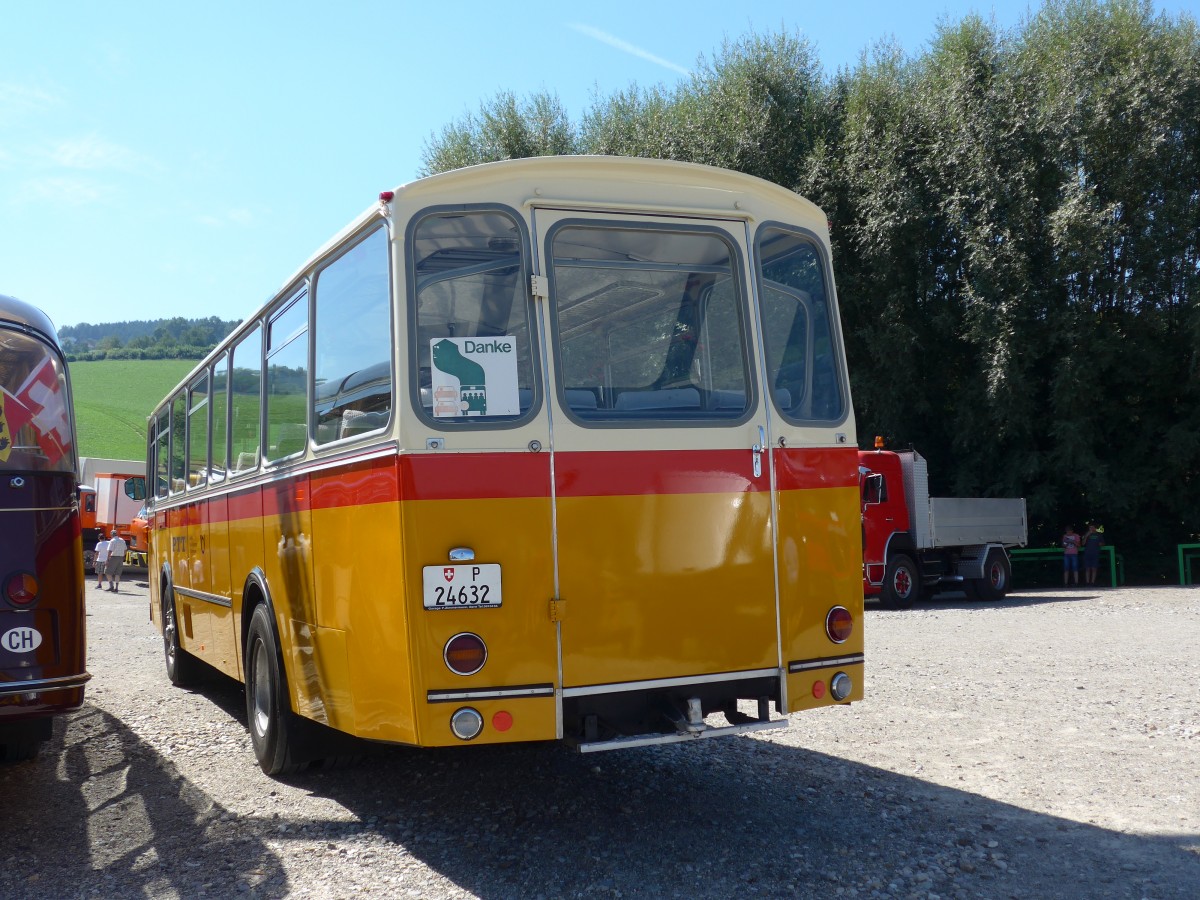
(498, 505)
(195, 634)
(820, 565)
(287, 562)
(206, 619)
(214, 553)
(245, 533)
(360, 600)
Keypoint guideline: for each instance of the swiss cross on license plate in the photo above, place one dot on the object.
(474, 586)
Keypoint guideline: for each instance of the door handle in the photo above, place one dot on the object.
(757, 451)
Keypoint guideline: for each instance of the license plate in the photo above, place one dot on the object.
(462, 587)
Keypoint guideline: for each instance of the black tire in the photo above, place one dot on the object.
(21, 741)
(997, 576)
(19, 749)
(273, 726)
(183, 669)
(901, 584)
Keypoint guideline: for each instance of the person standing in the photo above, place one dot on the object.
(1070, 545)
(1092, 542)
(101, 559)
(116, 561)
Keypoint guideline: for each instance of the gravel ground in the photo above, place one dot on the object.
(1042, 747)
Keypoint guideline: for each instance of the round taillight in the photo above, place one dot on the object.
(840, 686)
(466, 723)
(465, 653)
(839, 624)
(21, 590)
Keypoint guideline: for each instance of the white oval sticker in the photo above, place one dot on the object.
(21, 640)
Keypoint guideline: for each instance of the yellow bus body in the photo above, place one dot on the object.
(657, 563)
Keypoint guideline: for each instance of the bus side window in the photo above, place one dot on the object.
(162, 453)
(245, 384)
(198, 432)
(803, 359)
(178, 471)
(352, 330)
(287, 378)
(220, 410)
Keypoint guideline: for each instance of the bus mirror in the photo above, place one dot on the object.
(135, 488)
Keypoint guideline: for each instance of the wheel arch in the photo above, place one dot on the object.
(257, 592)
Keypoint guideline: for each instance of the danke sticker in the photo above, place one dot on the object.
(21, 640)
(475, 376)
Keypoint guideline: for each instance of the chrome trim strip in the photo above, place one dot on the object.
(43, 685)
(589, 690)
(825, 662)
(648, 740)
(215, 599)
(19, 509)
(530, 690)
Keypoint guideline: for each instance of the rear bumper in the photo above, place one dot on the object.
(44, 685)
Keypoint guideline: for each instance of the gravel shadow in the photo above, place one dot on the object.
(99, 813)
(731, 818)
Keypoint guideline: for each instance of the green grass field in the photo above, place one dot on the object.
(113, 397)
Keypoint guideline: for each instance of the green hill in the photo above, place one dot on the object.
(113, 399)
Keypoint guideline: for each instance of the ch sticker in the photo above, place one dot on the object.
(21, 640)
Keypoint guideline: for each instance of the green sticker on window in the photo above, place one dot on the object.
(474, 376)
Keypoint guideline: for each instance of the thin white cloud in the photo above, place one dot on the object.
(60, 189)
(241, 217)
(21, 98)
(94, 153)
(625, 47)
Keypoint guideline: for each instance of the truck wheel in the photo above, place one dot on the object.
(901, 584)
(183, 669)
(273, 725)
(997, 574)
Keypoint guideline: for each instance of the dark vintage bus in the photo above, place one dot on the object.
(42, 640)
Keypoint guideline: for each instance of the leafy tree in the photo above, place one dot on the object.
(1016, 237)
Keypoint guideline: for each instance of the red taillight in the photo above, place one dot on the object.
(21, 589)
(502, 720)
(465, 653)
(839, 624)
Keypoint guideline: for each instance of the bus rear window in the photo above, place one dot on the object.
(36, 431)
(650, 325)
(474, 349)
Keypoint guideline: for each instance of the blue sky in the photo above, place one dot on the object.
(161, 159)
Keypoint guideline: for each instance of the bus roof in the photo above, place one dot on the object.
(28, 316)
(654, 183)
(625, 183)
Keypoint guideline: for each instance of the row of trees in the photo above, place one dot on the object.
(176, 338)
(1015, 216)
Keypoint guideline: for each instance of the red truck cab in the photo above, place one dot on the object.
(885, 518)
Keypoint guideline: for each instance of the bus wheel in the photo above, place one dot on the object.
(182, 667)
(273, 730)
(901, 584)
(997, 574)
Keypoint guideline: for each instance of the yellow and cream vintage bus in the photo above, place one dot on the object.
(555, 448)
